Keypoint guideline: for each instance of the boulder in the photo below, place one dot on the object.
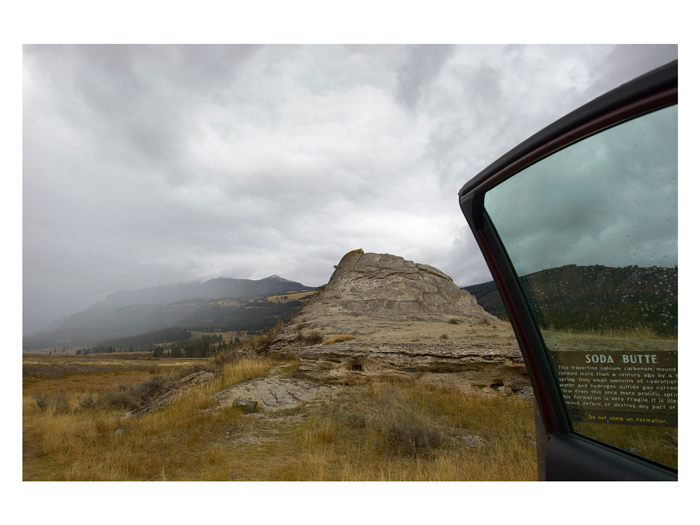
(246, 405)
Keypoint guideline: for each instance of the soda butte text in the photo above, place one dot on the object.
(626, 358)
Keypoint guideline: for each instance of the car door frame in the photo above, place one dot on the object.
(569, 456)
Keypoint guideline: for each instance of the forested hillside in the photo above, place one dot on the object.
(148, 339)
(255, 316)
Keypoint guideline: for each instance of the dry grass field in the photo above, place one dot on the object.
(92, 372)
(75, 425)
(75, 428)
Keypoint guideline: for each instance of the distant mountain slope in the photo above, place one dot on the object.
(487, 296)
(134, 312)
(254, 316)
(148, 339)
(596, 297)
(212, 289)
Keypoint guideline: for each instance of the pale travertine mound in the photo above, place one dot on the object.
(404, 320)
(386, 285)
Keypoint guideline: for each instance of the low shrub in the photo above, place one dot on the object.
(87, 402)
(262, 343)
(223, 358)
(122, 397)
(355, 419)
(42, 401)
(406, 434)
(61, 403)
(149, 389)
(314, 338)
(119, 399)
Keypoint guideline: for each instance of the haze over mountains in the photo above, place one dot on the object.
(136, 311)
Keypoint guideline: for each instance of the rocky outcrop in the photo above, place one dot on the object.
(168, 396)
(272, 393)
(404, 320)
(385, 285)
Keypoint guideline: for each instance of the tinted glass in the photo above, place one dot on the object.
(592, 232)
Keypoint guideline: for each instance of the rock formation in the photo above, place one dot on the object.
(399, 318)
(384, 285)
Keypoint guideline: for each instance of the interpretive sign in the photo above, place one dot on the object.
(635, 388)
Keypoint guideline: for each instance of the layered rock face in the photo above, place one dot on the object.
(399, 318)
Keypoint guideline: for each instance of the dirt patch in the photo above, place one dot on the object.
(265, 428)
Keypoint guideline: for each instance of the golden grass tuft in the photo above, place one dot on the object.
(339, 339)
(239, 370)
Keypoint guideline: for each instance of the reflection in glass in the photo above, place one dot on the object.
(592, 232)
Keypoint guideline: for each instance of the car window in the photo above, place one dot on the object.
(592, 233)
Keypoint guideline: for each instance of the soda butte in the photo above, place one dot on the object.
(627, 359)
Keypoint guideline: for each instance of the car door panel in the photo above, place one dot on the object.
(574, 458)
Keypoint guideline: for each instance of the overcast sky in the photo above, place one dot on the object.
(151, 165)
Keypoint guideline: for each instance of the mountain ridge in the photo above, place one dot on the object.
(129, 312)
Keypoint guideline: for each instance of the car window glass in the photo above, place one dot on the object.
(592, 233)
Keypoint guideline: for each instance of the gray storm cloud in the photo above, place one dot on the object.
(149, 165)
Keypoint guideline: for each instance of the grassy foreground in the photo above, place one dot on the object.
(388, 431)
(76, 429)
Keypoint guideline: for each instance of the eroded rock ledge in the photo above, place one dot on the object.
(479, 367)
